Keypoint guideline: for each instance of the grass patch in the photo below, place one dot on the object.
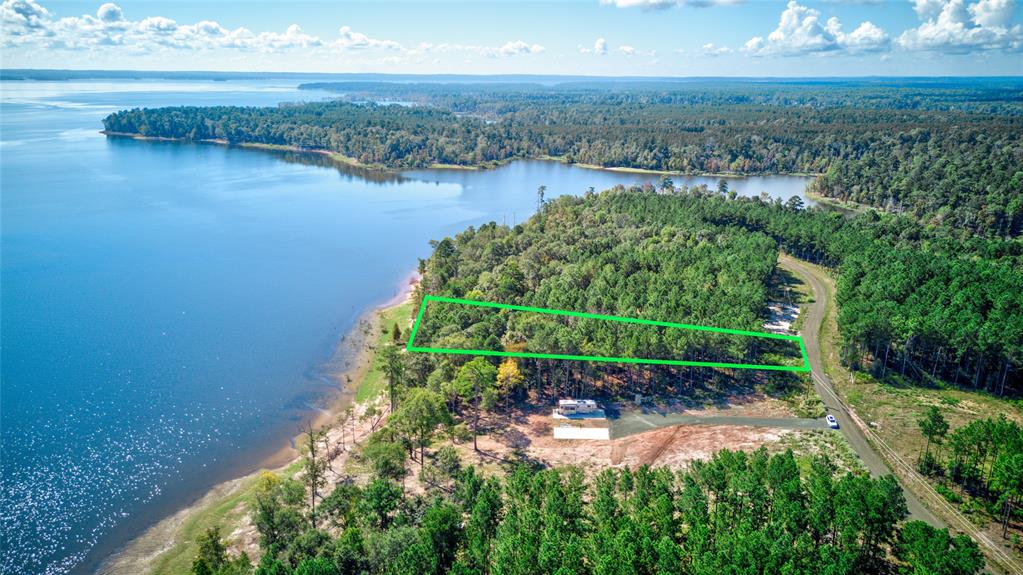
(348, 161)
(799, 395)
(836, 203)
(807, 445)
(373, 384)
(226, 512)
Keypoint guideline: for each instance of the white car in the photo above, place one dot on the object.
(832, 422)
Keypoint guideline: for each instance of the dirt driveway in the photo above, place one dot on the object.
(632, 422)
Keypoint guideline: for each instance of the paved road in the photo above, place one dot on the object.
(632, 422)
(811, 334)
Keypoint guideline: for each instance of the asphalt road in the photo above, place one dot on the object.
(811, 334)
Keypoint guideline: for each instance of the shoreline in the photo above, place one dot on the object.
(836, 203)
(732, 175)
(337, 157)
(352, 162)
(140, 554)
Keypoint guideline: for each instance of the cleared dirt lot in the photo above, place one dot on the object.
(529, 436)
(633, 422)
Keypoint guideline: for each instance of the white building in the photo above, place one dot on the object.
(576, 406)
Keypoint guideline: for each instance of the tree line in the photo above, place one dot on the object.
(736, 513)
(984, 458)
(934, 160)
(913, 299)
(989, 95)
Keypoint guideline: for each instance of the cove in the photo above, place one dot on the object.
(170, 310)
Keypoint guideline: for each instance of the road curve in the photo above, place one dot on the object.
(810, 333)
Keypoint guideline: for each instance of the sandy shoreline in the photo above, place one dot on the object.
(352, 361)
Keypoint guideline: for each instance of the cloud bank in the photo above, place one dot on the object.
(947, 26)
(941, 27)
(26, 23)
(800, 31)
(954, 26)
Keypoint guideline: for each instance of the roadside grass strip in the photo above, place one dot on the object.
(412, 347)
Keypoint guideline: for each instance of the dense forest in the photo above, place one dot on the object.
(491, 98)
(737, 513)
(912, 299)
(603, 255)
(950, 154)
(674, 253)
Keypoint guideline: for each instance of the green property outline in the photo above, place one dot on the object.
(428, 298)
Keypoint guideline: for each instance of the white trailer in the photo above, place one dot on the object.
(576, 406)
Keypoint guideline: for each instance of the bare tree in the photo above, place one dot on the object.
(314, 465)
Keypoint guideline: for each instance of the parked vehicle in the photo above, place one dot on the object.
(576, 406)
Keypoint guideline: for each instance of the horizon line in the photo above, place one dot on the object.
(7, 70)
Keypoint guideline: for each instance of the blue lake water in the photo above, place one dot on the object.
(166, 309)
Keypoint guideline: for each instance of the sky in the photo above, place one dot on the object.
(582, 37)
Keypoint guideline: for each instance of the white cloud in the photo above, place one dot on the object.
(351, 40)
(599, 48)
(22, 21)
(157, 25)
(866, 38)
(800, 31)
(632, 51)
(293, 37)
(509, 49)
(992, 13)
(711, 49)
(953, 26)
(927, 9)
(515, 48)
(27, 23)
(19, 15)
(110, 12)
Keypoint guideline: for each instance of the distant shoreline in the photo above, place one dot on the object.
(733, 175)
(139, 555)
(336, 156)
(349, 161)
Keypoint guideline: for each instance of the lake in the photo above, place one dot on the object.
(168, 309)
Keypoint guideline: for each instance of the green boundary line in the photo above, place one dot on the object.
(428, 298)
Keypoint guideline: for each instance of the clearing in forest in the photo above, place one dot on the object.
(600, 332)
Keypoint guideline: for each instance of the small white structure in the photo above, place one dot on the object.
(578, 409)
(576, 406)
(566, 432)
